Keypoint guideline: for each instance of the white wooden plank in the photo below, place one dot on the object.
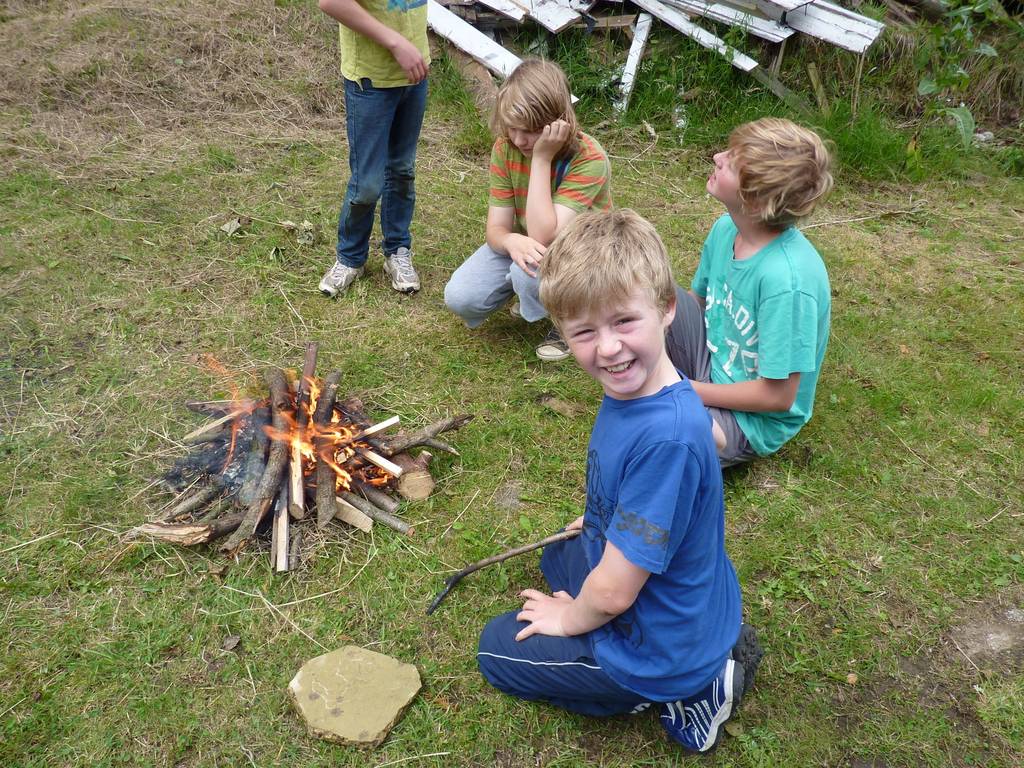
(781, 6)
(835, 25)
(679, 22)
(641, 31)
(468, 38)
(766, 29)
(510, 8)
(554, 15)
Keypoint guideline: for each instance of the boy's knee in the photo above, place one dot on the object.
(493, 652)
(366, 193)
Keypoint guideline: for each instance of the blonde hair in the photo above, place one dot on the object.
(534, 95)
(784, 170)
(600, 259)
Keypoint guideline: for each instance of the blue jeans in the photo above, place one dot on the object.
(485, 281)
(383, 127)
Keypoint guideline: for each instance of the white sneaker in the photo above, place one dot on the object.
(338, 279)
(401, 271)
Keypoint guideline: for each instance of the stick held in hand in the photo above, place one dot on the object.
(456, 577)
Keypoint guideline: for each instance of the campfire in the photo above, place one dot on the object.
(301, 456)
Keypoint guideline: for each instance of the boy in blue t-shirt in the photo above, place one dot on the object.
(752, 331)
(645, 604)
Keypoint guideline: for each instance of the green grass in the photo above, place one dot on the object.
(891, 522)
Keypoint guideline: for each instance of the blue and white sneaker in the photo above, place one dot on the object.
(696, 723)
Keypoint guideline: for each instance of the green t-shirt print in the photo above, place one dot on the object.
(766, 316)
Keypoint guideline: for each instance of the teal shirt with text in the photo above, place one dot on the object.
(767, 316)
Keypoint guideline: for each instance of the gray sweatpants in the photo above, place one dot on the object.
(485, 281)
(687, 347)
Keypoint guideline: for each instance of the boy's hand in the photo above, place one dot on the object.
(544, 612)
(552, 138)
(409, 59)
(525, 252)
(577, 523)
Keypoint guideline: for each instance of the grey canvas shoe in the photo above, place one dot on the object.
(338, 278)
(401, 271)
(553, 348)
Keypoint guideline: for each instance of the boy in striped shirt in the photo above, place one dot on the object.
(544, 172)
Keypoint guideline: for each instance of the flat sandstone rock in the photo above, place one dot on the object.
(352, 695)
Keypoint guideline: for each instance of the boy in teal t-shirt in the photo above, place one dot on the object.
(752, 331)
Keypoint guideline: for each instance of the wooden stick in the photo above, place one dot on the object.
(373, 511)
(295, 550)
(375, 458)
(279, 537)
(455, 578)
(353, 516)
(379, 427)
(276, 465)
(197, 435)
(400, 443)
(378, 497)
(326, 480)
(296, 493)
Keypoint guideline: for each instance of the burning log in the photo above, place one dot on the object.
(416, 482)
(374, 512)
(326, 480)
(275, 469)
(297, 494)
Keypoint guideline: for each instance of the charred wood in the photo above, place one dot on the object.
(275, 469)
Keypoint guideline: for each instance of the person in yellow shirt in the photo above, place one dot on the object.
(384, 62)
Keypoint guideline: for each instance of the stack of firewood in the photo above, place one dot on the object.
(300, 455)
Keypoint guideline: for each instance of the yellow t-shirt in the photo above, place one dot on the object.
(362, 57)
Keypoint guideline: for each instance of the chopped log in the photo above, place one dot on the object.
(378, 497)
(197, 500)
(295, 550)
(378, 514)
(454, 579)
(353, 410)
(353, 516)
(403, 442)
(296, 494)
(416, 482)
(256, 461)
(326, 480)
(279, 537)
(275, 469)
